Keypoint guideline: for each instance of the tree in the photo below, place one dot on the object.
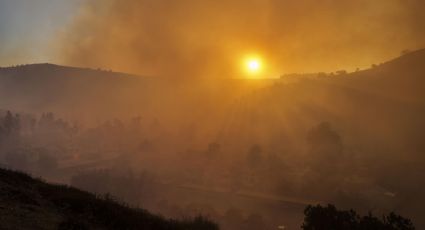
(326, 218)
(254, 156)
(322, 75)
(329, 218)
(11, 123)
(398, 222)
(213, 150)
(341, 72)
(324, 139)
(326, 148)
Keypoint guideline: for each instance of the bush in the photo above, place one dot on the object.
(72, 224)
(326, 218)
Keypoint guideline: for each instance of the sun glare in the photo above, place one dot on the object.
(253, 65)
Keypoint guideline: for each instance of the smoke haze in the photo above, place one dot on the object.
(209, 38)
(177, 129)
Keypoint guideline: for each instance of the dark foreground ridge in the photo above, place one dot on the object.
(28, 203)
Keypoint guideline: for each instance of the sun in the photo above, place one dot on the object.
(253, 65)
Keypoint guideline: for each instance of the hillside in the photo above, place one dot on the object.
(96, 95)
(27, 203)
(378, 114)
(245, 137)
(51, 87)
(402, 78)
(81, 92)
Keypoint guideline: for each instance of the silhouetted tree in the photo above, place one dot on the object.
(341, 72)
(329, 218)
(326, 218)
(398, 222)
(11, 124)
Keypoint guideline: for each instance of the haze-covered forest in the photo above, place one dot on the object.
(248, 154)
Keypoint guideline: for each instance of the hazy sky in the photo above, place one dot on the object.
(209, 37)
(28, 27)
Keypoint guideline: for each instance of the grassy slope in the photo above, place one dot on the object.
(27, 203)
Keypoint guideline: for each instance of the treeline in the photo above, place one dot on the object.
(31, 144)
(38, 143)
(10, 125)
(329, 217)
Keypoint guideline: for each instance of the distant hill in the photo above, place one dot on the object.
(27, 203)
(43, 87)
(80, 93)
(402, 78)
(48, 87)
(390, 95)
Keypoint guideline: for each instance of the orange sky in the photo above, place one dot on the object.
(210, 37)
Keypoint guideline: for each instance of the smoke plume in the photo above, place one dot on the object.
(209, 37)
